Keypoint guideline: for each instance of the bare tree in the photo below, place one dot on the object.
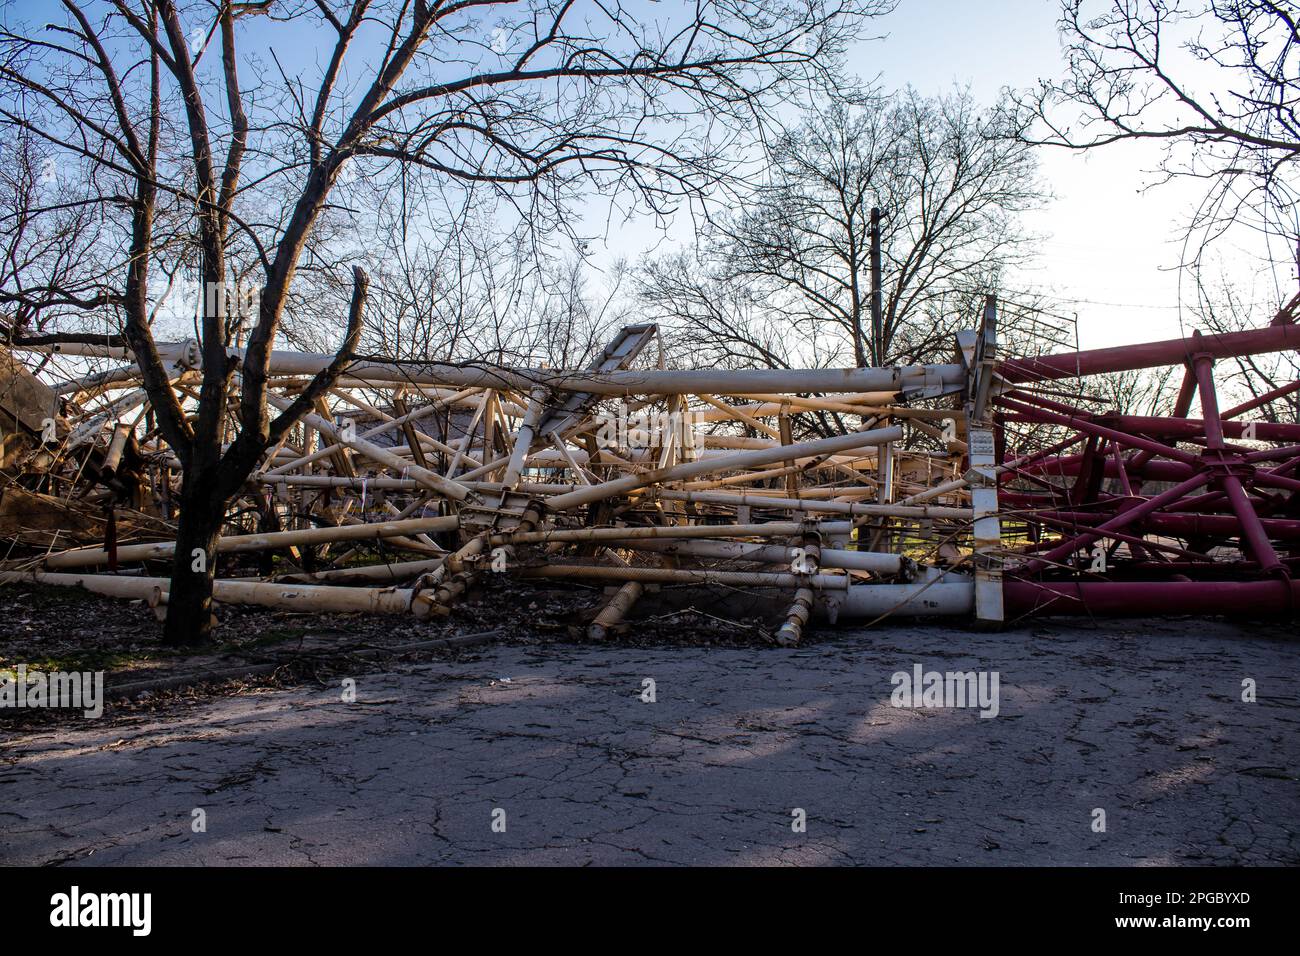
(1227, 303)
(201, 135)
(1217, 82)
(482, 297)
(790, 274)
(45, 242)
(1135, 392)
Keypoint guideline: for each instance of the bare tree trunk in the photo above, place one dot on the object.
(189, 601)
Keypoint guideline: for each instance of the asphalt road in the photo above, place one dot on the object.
(1142, 720)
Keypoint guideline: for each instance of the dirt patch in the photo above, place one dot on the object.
(67, 629)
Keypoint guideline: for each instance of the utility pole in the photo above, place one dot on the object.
(877, 338)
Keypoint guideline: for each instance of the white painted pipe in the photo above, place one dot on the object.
(872, 561)
(769, 530)
(427, 479)
(870, 601)
(829, 507)
(291, 596)
(95, 556)
(744, 459)
(620, 382)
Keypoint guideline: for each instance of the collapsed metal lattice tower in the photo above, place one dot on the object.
(967, 488)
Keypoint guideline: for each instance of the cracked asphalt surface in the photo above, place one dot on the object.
(1143, 720)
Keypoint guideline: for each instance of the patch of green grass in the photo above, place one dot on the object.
(84, 659)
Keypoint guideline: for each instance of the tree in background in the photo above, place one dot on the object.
(1226, 303)
(1216, 82)
(787, 278)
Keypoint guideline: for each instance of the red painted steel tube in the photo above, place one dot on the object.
(1273, 454)
(1151, 471)
(1126, 486)
(1184, 525)
(1131, 539)
(1182, 406)
(1121, 469)
(1254, 598)
(1160, 470)
(1252, 529)
(1256, 538)
(1125, 358)
(1269, 396)
(1139, 511)
(1010, 473)
(1087, 425)
(1187, 428)
(1212, 502)
(1034, 457)
(1048, 403)
(1270, 479)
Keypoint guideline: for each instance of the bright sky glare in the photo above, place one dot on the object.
(1109, 246)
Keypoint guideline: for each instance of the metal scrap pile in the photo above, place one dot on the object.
(969, 488)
